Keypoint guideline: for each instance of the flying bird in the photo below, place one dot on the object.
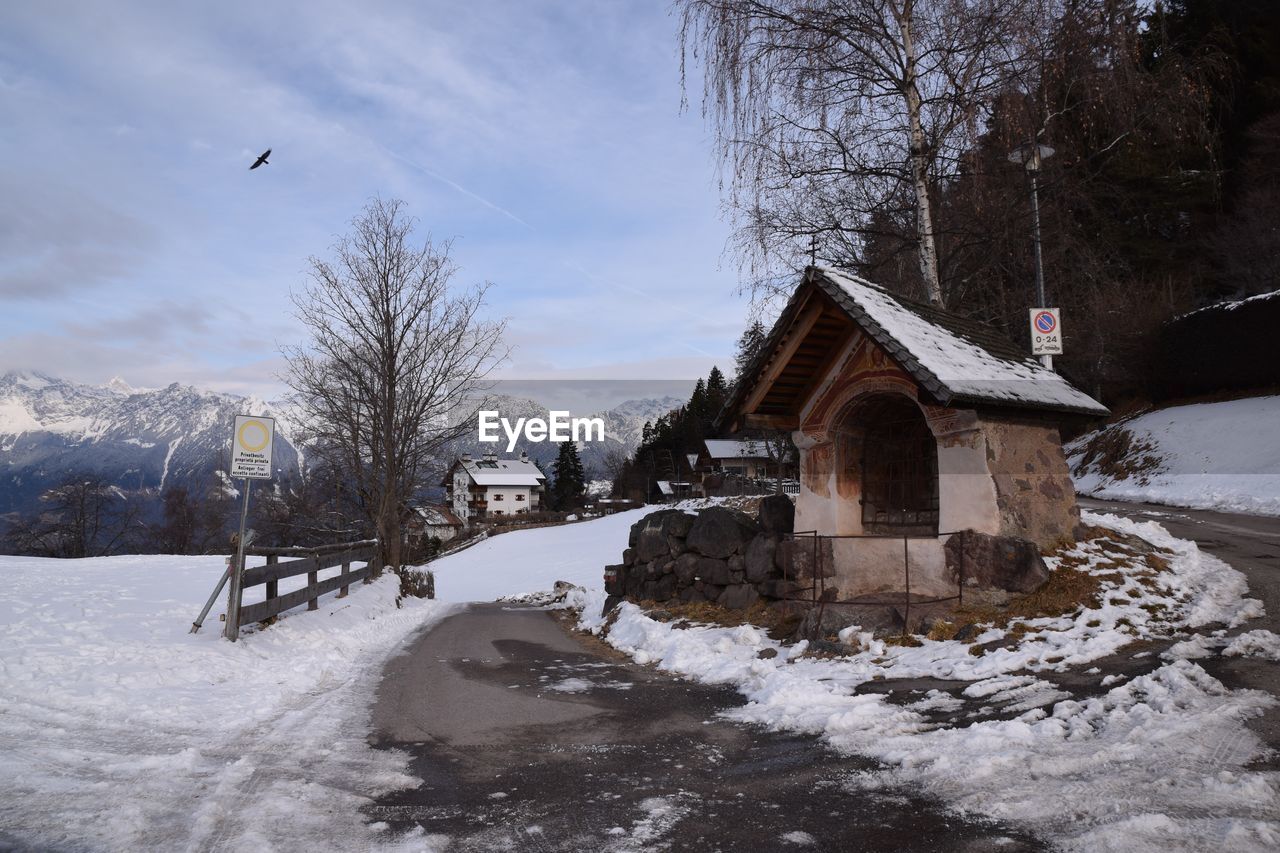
(262, 158)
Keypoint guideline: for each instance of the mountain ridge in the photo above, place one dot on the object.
(143, 440)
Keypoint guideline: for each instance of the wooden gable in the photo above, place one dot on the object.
(800, 354)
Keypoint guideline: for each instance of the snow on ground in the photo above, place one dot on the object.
(1156, 763)
(527, 561)
(1209, 455)
(119, 730)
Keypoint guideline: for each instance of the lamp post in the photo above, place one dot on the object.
(1031, 156)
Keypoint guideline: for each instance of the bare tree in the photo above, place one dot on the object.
(83, 516)
(831, 111)
(394, 355)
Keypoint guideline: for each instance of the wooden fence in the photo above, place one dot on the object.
(308, 561)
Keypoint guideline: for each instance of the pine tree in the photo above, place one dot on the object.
(570, 484)
(717, 394)
(749, 346)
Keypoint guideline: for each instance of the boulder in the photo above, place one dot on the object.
(759, 557)
(665, 588)
(629, 556)
(795, 557)
(663, 521)
(1002, 562)
(679, 524)
(719, 532)
(713, 571)
(738, 597)
(777, 514)
(686, 568)
(615, 578)
(651, 545)
(778, 588)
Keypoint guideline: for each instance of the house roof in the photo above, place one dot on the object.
(502, 472)
(735, 448)
(959, 361)
(437, 515)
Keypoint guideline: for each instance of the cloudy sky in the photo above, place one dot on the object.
(547, 139)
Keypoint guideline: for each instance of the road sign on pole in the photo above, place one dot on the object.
(250, 460)
(251, 447)
(1046, 332)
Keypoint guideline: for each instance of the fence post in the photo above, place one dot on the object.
(313, 578)
(963, 541)
(906, 572)
(273, 586)
(346, 567)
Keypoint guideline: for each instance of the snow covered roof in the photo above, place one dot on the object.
(502, 472)
(959, 361)
(735, 448)
(436, 515)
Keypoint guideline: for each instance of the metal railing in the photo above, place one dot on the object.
(822, 546)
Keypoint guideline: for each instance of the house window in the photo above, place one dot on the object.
(497, 497)
(519, 497)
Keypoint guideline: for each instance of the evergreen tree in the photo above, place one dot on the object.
(717, 393)
(749, 346)
(570, 479)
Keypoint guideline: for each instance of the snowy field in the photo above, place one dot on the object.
(119, 730)
(533, 560)
(1223, 456)
(1157, 763)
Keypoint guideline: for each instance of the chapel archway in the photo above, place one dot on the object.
(890, 462)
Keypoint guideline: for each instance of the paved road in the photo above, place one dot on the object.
(1251, 544)
(526, 737)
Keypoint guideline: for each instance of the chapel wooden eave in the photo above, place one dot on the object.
(800, 349)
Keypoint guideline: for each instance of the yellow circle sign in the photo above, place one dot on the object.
(253, 436)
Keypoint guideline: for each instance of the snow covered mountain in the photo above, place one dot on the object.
(137, 439)
(147, 439)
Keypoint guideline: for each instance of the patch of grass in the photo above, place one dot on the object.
(943, 630)
(1066, 591)
(778, 623)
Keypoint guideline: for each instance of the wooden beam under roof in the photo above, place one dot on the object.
(809, 316)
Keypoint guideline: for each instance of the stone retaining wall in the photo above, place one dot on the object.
(725, 556)
(719, 554)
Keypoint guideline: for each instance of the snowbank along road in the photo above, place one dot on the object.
(1250, 544)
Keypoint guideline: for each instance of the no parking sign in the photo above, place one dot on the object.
(1046, 332)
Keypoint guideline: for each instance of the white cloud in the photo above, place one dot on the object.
(545, 137)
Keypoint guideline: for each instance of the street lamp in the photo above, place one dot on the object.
(1031, 156)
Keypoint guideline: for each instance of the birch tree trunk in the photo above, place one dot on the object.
(918, 153)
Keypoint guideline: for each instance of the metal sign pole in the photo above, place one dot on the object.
(208, 605)
(232, 632)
